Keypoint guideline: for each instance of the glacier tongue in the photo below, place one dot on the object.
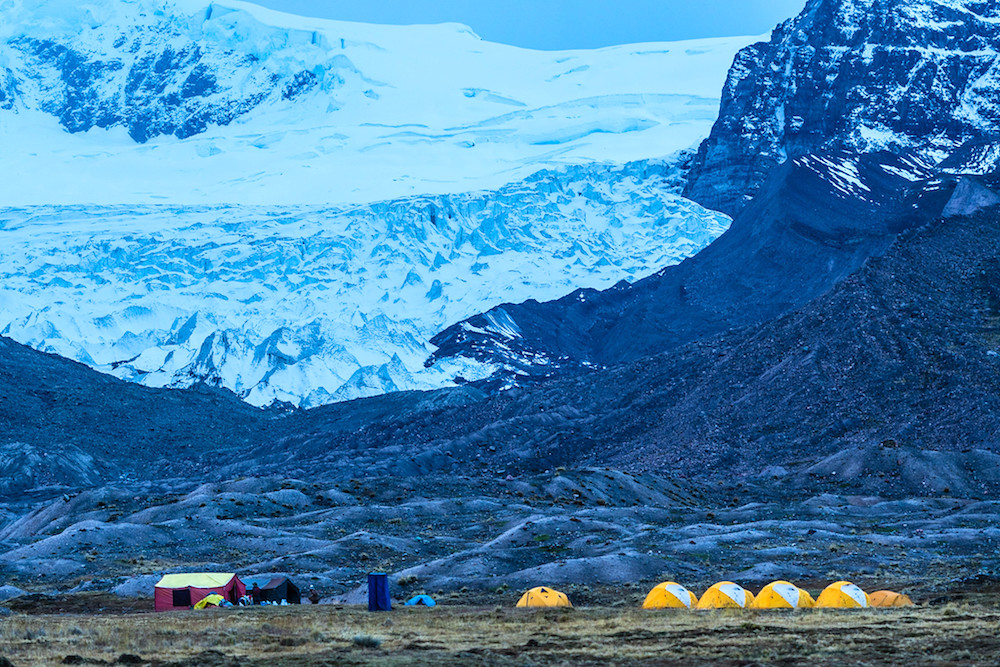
(310, 304)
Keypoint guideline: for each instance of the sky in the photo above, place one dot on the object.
(564, 24)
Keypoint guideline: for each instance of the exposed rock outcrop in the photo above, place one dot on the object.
(854, 75)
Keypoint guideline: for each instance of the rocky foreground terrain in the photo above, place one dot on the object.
(595, 532)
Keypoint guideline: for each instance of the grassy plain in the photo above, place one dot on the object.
(955, 633)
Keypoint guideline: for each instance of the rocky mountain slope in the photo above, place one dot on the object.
(902, 352)
(817, 219)
(776, 447)
(64, 426)
(857, 76)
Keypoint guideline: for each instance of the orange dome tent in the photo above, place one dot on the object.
(843, 595)
(890, 599)
(725, 595)
(782, 595)
(670, 595)
(544, 597)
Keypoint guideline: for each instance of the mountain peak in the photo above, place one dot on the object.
(855, 75)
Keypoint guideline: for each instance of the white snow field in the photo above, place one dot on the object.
(398, 110)
(308, 250)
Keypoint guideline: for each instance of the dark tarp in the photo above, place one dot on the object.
(281, 588)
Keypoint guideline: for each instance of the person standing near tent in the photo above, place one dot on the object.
(256, 594)
(313, 595)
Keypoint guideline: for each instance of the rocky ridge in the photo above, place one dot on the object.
(855, 76)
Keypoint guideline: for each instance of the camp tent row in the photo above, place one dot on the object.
(199, 590)
(728, 595)
(204, 589)
(776, 595)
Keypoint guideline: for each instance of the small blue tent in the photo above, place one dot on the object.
(425, 600)
(378, 593)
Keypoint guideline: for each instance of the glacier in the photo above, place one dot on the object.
(309, 305)
(291, 208)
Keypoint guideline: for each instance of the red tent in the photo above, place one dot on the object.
(183, 591)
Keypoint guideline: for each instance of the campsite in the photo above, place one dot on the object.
(959, 629)
(333, 540)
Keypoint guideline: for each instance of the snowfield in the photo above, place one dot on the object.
(324, 111)
(291, 208)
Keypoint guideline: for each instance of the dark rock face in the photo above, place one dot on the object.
(7, 90)
(99, 91)
(817, 219)
(854, 75)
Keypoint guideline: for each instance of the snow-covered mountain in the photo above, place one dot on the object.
(196, 101)
(310, 305)
(212, 191)
(857, 76)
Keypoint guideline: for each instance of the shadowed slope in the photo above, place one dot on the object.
(817, 220)
(904, 349)
(57, 406)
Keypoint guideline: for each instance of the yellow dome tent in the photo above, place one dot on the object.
(843, 595)
(214, 600)
(670, 595)
(889, 599)
(544, 597)
(782, 595)
(725, 595)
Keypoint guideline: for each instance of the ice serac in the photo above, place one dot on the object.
(309, 305)
(854, 75)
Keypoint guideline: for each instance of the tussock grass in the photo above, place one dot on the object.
(956, 633)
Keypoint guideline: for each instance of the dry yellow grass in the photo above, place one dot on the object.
(960, 634)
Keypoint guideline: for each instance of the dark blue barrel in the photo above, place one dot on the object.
(378, 593)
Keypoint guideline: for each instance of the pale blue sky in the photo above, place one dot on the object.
(565, 24)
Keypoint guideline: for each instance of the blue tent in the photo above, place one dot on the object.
(378, 592)
(425, 600)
